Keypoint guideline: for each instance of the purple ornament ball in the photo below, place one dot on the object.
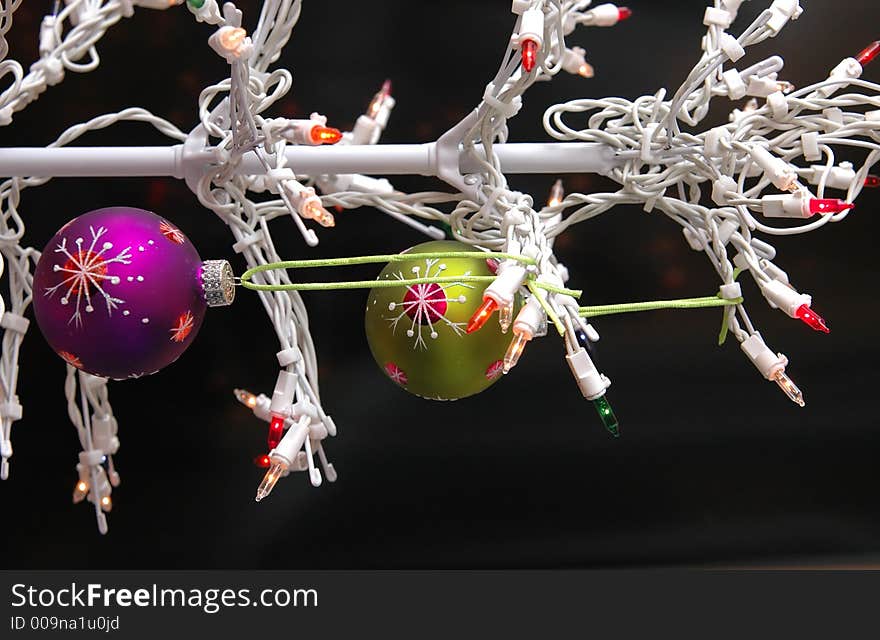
(118, 292)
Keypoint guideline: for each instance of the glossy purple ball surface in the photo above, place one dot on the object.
(117, 292)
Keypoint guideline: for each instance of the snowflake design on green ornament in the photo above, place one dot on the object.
(397, 374)
(494, 370)
(426, 304)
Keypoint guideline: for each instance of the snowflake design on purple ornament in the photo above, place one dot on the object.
(71, 359)
(183, 327)
(86, 272)
(171, 232)
(426, 304)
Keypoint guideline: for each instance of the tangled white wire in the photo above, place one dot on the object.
(714, 183)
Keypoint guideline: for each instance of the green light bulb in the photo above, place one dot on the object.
(606, 414)
(196, 4)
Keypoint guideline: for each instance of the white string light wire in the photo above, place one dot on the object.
(776, 157)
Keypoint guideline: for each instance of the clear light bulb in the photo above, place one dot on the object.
(80, 491)
(231, 39)
(112, 474)
(106, 504)
(789, 387)
(245, 397)
(557, 194)
(514, 351)
(505, 317)
(378, 100)
(586, 70)
(312, 209)
(270, 480)
(326, 219)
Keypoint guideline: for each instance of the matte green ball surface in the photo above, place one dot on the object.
(417, 332)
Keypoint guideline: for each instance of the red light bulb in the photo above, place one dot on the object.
(529, 55)
(481, 315)
(325, 135)
(829, 205)
(262, 461)
(869, 53)
(872, 181)
(624, 13)
(811, 318)
(276, 430)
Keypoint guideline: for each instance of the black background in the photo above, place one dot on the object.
(714, 464)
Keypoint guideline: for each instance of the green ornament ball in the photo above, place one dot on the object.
(417, 332)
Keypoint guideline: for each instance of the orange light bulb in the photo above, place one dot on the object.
(325, 135)
(481, 315)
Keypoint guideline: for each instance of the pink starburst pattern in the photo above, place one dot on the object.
(171, 232)
(495, 369)
(396, 373)
(425, 302)
(183, 327)
(71, 359)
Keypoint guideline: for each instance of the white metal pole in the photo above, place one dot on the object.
(384, 159)
(550, 157)
(91, 162)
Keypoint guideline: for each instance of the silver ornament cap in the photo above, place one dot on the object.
(218, 283)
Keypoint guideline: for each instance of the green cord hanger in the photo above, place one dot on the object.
(684, 303)
(531, 283)
(394, 257)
